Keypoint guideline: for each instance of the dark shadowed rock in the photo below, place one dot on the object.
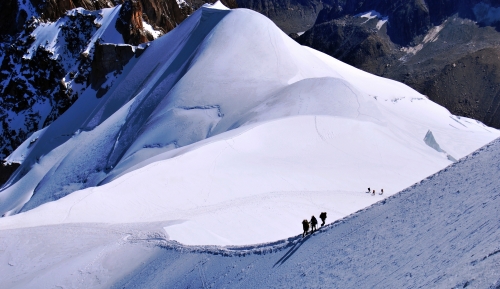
(110, 58)
(129, 23)
(8, 17)
(291, 16)
(53, 9)
(423, 44)
(6, 171)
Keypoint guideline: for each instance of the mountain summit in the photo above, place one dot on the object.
(209, 127)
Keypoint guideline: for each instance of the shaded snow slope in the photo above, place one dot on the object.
(212, 127)
(440, 233)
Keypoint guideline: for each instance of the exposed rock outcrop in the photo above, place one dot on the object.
(6, 171)
(54, 9)
(8, 17)
(110, 58)
(420, 43)
(292, 16)
(130, 25)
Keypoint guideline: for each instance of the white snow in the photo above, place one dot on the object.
(24, 149)
(440, 233)
(219, 138)
(151, 30)
(181, 3)
(217, 5)
(200, 137)
(431, 36)
(371, 15)
(107, 33)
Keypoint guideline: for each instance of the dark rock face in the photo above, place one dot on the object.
(54, 9)
(423, 44)
(8, 15)
(110, 58)
(6, 171)
(292, 16)
(410, 17)
(32, 84)
(129, 24)
(474, 81)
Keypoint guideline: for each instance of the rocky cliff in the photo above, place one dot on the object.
(292, 16)
(445, 49)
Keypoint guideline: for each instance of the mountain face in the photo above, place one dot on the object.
(209, 126)
(291, 16)
(225, 131)
(47, 53)
(446, 50)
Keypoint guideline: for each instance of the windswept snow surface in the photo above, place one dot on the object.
(440, 233)
(232, 138)
(443, 232)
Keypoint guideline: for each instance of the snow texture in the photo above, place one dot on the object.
(212, 127)
(440, 233)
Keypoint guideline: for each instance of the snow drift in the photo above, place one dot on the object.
(225, 124)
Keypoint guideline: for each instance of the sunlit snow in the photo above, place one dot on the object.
(215, 133)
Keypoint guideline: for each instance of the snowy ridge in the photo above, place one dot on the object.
(213, 127)
(279, 245)
(445, 219)
(441, 232)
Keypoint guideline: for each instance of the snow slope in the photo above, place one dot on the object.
(440, 233)
(217, 132)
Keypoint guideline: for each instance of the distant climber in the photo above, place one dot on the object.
(322, 216)
(305, 226)
(381, 192)
(314, 222)
(369, 190)
(373, 193)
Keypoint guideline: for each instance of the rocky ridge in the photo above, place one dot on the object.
(447, 50)
(292, 16)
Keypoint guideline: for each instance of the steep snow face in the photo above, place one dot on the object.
(211, 126)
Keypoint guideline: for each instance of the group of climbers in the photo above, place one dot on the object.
(373, 192)
(313, 223)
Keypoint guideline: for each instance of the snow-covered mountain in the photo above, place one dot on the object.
(47, 67)
(47, 54)
(442, 232)
(212, 137)
(211, 127)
